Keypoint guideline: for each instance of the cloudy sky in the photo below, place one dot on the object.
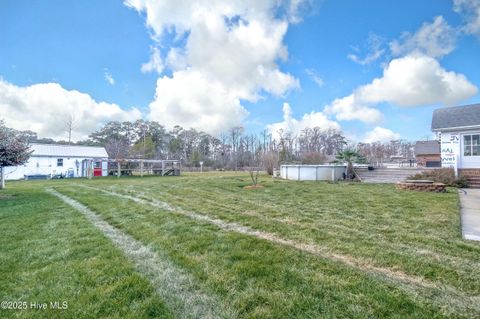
(375, 69)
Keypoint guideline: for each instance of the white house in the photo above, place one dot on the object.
(49, 160)
(458, 130)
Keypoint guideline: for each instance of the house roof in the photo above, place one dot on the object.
(456, 117)
(57, 150)
(427, 147)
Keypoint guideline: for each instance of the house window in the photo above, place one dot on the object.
(60, 162)
(471, 145)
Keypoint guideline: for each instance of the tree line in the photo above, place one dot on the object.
(233, 149)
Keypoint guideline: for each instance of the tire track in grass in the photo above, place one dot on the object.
(449, 299)
(408, 250)
(270, 204)
(175, 286)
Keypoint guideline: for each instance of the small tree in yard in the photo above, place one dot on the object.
(14, 150)
(254, 171)
(349, 156)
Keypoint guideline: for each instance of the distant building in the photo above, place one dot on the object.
(54, 160)
(458, 130)
(427, 153)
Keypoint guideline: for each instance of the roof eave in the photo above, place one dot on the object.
(456, 128)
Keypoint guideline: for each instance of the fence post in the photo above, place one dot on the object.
(2, 183)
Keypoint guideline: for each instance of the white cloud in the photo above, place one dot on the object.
(349, 108)
(416, 80)
(206, 105)
(434, 39)
(381, 134)
(180, 16)
(294, 8)
(176, 59)
(241, 56)
(108, 77)
(413, 80)
(155, 64)
(295, 126)
(375, 50)
(471, 10)
(231, 47)
(315, 77)
(45, 108)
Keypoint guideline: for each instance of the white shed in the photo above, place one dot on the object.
(50, 160)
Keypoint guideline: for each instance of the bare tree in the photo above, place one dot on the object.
(254, 171)
(264, 135)
(70, 125)
(270, 161)
(117, 148)
(235, 135)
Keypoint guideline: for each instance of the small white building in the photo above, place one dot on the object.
(50, 160)
(458, 130)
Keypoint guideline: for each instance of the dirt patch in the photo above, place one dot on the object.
(253, 187)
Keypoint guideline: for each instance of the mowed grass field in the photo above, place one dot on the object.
(202, 246)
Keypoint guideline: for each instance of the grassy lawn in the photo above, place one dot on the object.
(48, 253)
(289, 250)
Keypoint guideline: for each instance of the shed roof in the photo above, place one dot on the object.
(456, 117)
(57, 150)
(427, 147)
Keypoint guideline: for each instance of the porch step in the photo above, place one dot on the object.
(473, 182)
(473, 178)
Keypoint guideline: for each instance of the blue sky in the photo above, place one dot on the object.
(375, 69)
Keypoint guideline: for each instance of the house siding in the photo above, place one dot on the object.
(452, 150)
(47, 165)
(45, 158)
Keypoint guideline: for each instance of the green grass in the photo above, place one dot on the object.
(380, 234)
(48, 253)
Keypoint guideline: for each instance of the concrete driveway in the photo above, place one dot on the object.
(470, 213)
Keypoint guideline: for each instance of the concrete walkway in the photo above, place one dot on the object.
(470, 212)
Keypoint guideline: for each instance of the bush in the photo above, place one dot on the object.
(442, 175)
(270, 161)
(312, 158)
